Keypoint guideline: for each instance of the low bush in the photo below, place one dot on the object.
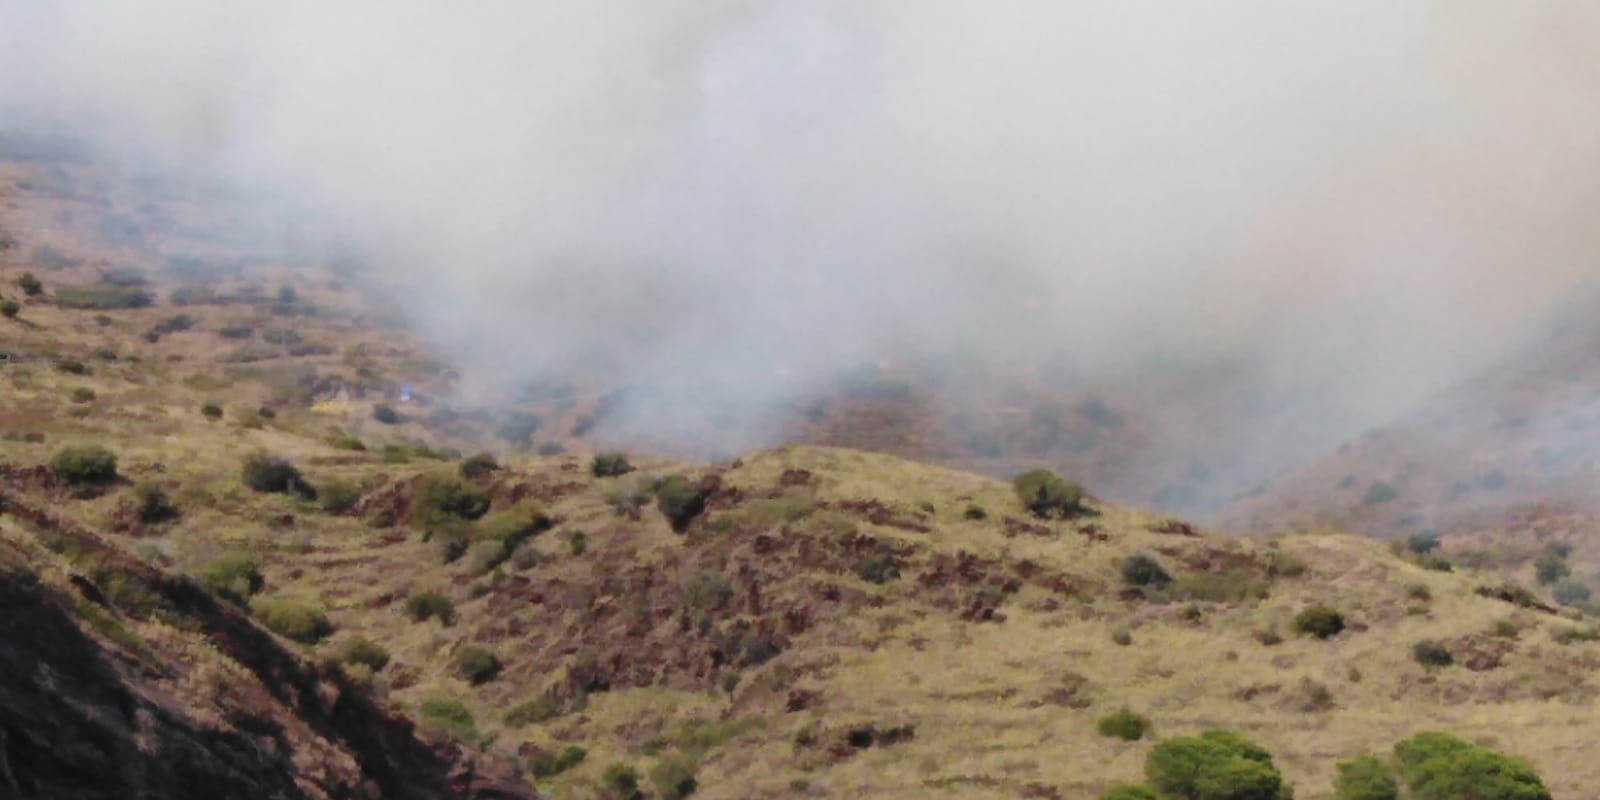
(610, 465)
(72, 366)
(532, 712)
(1048, 495)
(1551, 567)
(680, 500)
(1379, 493)
(233, 575)
(152, 504)
(385, 414)
(83, 394)
(1142, 570)
(449, 716)
(1123, 724)
(265, 473)
(361, 650)
(880, 568)
(103, 297)
(337, 496)
(975, 513)
(293, 619)
(479, 465)
(430, 605)
(618, 782)
(1423, 543)
(211, 411)
(84, 465)
(477, 665)
(1431, 654)
(1570, 592)
(673, 777)
(441, 499)
(549, 765)
(1319, 621)
(347, 441)
(30, 285)
(10, 308)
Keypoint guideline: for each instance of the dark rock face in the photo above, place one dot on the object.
(71, 728)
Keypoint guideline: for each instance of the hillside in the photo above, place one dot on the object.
(814, 622)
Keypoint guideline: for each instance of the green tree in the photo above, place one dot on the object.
(1216, 765)
(1439, 766)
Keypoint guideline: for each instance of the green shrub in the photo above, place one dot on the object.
(1551, 567)
(292, 619)
(385, 414)
(577, 542)
(1430, 653)
(451, 717)
(441, 499)
(361, 650)
(1047, 494)
(1570, 592)
(479, 465)
(548, 765)
(975, 513)
(72, 366)
(1423, 543)
(10, 308)
(477, 665)
(1123, 724)
(338, 496)
(347, 441)
(83, 394)
(673, 777)
(265, 473)
(1232, 586)
(880, 568)
(531, 712)
(680, 500)
(1438, 766)
(1319, 621)
(152, 504)
(424, 605)
(618, 782)
(610, 465)
(519, 523)
(84, 465)
(1435, 562)
(233, 575)
(1379, 493)
(30, 285)
(103, 297)
(1142, 570)
(1216, 765)
(211, 411)
(1365, 778)
(517, 427)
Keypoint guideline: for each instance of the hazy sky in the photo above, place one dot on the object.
(1367, 195)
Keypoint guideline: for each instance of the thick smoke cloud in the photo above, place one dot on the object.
(1359, 200)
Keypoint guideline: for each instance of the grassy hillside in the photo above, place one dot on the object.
(798, 622)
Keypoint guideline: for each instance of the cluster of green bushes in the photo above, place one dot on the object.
(1439, 766)
(442, 500)
(680, 500)
(1048, 495)
(426, 605)
(610, 465)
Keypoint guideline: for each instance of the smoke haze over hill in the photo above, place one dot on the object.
(1349, 204)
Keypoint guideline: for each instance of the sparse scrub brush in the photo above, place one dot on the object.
(30, 285)
(10, 308)
(680, 500)
(1365, 778)
(292, 619)
(152, 504)
(385, 414)
(443, 498)
(233, 575)
(338, 496)
(478, 466)
(1142, 570)
(361, 650)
